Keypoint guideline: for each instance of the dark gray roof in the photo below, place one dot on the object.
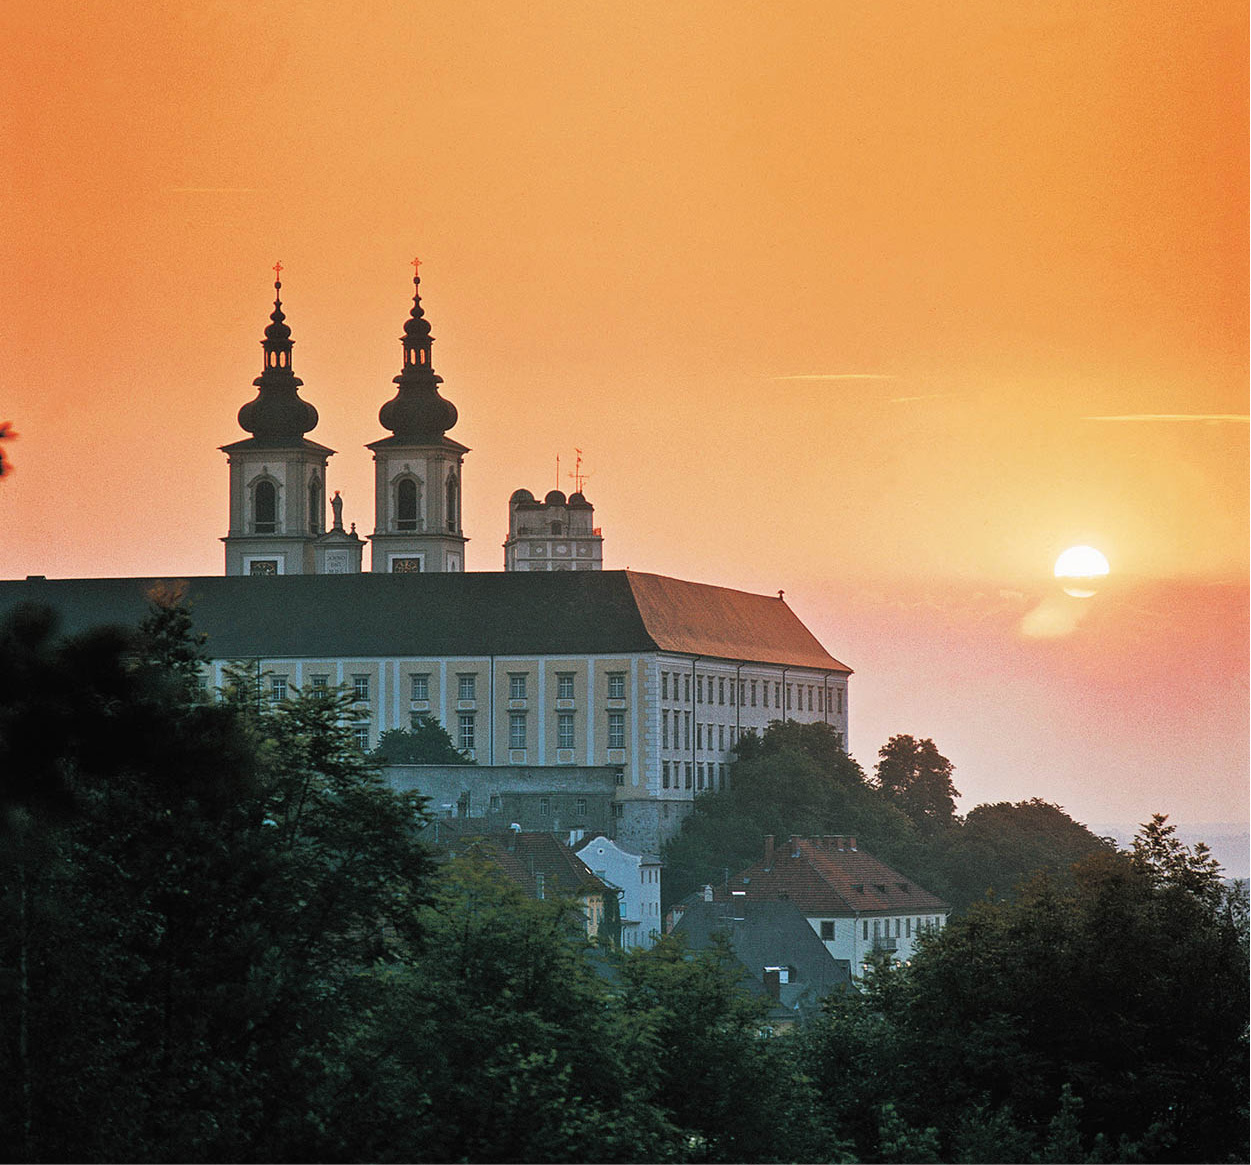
(769, 934)
(432, 615)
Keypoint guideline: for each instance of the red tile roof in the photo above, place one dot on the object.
(828, 876)
(697, 619)
(522, 855)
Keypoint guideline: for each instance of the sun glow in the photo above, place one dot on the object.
(1079, 567)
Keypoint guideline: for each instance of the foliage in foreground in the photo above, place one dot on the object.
(218, 941)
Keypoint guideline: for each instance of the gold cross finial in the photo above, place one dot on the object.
(416, 265)
(278, 271)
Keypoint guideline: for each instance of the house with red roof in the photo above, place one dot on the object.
(855, 904)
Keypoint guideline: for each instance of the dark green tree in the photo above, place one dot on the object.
(1125, 984)
(918, 778)
(427, 743)
(188, 890)
(1001, 846)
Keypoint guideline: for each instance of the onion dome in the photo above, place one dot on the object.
(417, 414)
(278, 416)
(554, 498)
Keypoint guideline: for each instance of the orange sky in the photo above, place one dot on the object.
(669, 233)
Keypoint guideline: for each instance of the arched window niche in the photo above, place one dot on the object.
(408, 504)
(265, 506)
(316, 512)
(453, 499)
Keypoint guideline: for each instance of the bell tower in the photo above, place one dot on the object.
(417, 470)
(278, 476)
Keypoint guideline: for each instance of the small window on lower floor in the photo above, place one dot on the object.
(827, 930)
(362, 737)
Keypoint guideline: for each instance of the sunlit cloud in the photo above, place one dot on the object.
(836, 376)
(902, 400)
(1055, 617)
(1210, 418)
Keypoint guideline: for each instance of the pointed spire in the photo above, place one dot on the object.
(417, 413)
(278, 416)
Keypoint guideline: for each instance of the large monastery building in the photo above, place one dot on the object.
(552, 662)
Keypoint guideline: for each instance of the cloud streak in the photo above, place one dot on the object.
(836, 376)
(1210, 418)
(211, 190)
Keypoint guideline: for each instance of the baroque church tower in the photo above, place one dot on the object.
(278, 476)
(417, 470)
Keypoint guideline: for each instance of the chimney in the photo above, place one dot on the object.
(794, 846)
(707, 893)
(768, 852)
(851, 843)
(773, 983)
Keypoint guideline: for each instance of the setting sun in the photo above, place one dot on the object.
(1081, 564)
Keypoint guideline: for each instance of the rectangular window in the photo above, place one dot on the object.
(687, 767)
(753, 693)
(699, 776)
(466, 687)
(516, 730)
(493, 804)
(564, 730)
(664, 728)
(321, 683)
(420, 687)
(360, 687)
(664, 685)
(618, 810)
(765, 687)
(620, 776)
(616, 685)
(809, 697)
(545, 806)
(699, 735)
(699, 689)
(277, 688)
(827, 930)
(361, 732)
(721, 737)
(686, 685)
(907, 928)
(664, 774)
(840, 700)
(616, 730)
(721, 691)
(686, 729)
(517, 686)
(564, 685)
(721, 777)
(580, 806)
(466, 731)
(777, 694)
